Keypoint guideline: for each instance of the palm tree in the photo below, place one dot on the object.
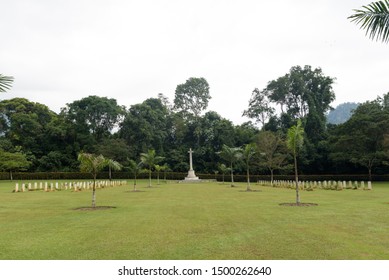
(374, 18)
(92, 164)
(149, 160)
(158, 168)
(135, 168)
(5, 83)
(248, 154)
(295, 140)
(231, 154)
(224, 169)
(113, 165)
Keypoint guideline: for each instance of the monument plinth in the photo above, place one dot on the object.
(191, 173)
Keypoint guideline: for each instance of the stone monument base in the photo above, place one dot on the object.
(191, 176)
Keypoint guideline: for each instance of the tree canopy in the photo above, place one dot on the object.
(52, 141)
(192, 97)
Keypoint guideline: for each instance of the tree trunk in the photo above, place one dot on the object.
(94, 192)
(271, 177)
(370, 172)
(149, 178)
(158, 178)
(10, 175)
(135, 183)
(296, 180)
(110, 173)
(232, 176)
(248, 179)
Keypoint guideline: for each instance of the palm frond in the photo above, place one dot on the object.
(374, 18)
(5, 83)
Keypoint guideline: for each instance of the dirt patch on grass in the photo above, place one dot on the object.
(94, 208)
(299, 204)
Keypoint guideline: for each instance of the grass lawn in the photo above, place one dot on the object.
(194, 221)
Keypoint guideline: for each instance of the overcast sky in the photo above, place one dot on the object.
(63, 50)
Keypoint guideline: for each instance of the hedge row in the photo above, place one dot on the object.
(181, 176)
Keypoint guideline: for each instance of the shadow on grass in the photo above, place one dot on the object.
(94, 208)
(299, 204)
(250, 191)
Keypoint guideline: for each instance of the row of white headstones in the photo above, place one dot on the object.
(75, 186)
(326, 185)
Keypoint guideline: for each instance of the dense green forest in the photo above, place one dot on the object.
(34, 138)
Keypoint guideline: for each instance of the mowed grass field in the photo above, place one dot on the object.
(194, 221)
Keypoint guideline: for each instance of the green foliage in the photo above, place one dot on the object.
(149, 160)
(192, 97)
(294, 142)
(360, 140)
(13, 162)
(295, 138)
(25, 124)
(248, 153)
(91, 163)
(146, 126)
(231, 155)
(272, 150)
(94, 115)
(5, 83)
(259, 107)
(374, 18)
(115, 149)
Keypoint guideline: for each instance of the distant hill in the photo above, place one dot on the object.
(341, 113)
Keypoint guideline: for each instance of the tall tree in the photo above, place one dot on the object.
(149, 160)
(135, 169)
(146, 126)
(374, 18)
(294, 142)
(5, 83)
(25, 124)
(259, 107)
(94, 115)
(360, 139)
(248, 153)
(92, 164)
(272, 150)
(223, 169)
(231, 155)
(192, 97)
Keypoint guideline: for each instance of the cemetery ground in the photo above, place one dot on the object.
(194, 221)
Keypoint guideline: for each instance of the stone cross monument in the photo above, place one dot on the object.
(191, 173)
